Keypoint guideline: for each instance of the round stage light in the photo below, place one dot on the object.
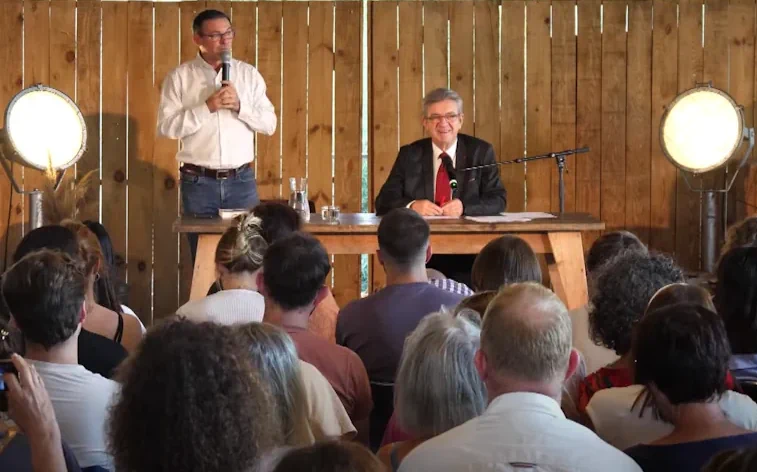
(44, 129)
(702, 129)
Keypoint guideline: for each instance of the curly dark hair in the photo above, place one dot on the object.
(741, 234)
(191, 401)
(736, 298)
(622, 290)
(684, 351)
(330, 456)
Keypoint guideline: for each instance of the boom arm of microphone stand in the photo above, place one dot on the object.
(520, 160)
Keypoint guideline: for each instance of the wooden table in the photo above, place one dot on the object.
(558, 238)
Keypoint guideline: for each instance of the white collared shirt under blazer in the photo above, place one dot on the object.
(521, 432)
(224, 139)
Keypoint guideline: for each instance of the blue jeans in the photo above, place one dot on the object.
(203, 196)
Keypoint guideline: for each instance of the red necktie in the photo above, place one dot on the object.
(443, 192)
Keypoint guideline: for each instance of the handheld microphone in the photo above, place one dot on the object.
(452, 173)
(225, 64)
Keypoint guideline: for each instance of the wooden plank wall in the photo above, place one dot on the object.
(547, 75)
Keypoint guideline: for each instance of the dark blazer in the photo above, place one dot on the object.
(412, 177)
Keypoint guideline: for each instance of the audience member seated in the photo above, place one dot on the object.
(375, 327)
(682, 355)
(239, 258)
(193, 401)
(437, 385)
(38, 447)
(102, 285)
(443, 282)
(604, 249)
(621, 293)
(96, 353)
(279, 220)
(734, 460)
(736, 301)
(477, 302)
(741, 234)
(524, 358)
(330, 456)
(307, 405)
(503, 261)
(45, 292)
(621, 417)
(294, 273)
(104, 316)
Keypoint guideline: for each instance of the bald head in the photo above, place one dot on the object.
(526, 334)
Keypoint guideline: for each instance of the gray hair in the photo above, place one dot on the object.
(437, 386)
(526, 333)
(440, 95)
(275, 356)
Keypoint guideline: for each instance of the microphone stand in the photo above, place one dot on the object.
(559, 157)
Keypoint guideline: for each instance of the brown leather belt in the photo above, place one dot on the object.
(218, 174)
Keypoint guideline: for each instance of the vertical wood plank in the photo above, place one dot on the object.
(114, 122)
(347, 148)
(564, 99)
(741, 38)
(639, 114)
(435, 15)
(142, 115)
(690, 72)
(36, 71)
(88, 92)
(269, 63)
(384, 133)
(461, 56)
(486, 116)
(11, 82)
(588, 111)
(244, 20)
(220, 5)
(614, 115)
(166, 172)
(319, 103)
(187, 51)
(513, 118)
(293, 107)
(410, 70)
(538, 103)
(664, 89)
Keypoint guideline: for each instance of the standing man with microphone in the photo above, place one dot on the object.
(214, 105)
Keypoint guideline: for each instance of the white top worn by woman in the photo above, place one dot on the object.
(227, 307)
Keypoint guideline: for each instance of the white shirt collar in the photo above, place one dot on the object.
(451, 151)
(525, 401)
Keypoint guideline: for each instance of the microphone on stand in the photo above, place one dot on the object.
(226, 64)
(452, 173)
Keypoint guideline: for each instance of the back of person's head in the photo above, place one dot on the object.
(741, 234)
(191, 400)
(104, 285)
(733, 460)
(106, 244)
(622, 290)
(44, 292)
(96, 265)
(683, 351)
(526, 334)
(274, 355)
(242, 246)
(48, 237)
(680, 293)
(277, 220)
(294, 270)
(403, 239)
(736, 298)
(437, 387)
(330, 456)
(478, 302)
(504, 261)
(610, 245)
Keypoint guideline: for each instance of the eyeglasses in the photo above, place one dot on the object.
(449, 118)
(217, 36)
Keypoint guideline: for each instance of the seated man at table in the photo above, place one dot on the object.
(375, 327)
(420, 179)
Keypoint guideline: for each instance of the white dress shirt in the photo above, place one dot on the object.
(521, 432)
(437, 151)
(614, 413)
(224, 139)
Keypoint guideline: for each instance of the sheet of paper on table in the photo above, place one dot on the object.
(441, 217)
(511, 217)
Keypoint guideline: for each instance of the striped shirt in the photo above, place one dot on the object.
(452, 286)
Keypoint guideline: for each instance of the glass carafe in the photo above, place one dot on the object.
(298, 197)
